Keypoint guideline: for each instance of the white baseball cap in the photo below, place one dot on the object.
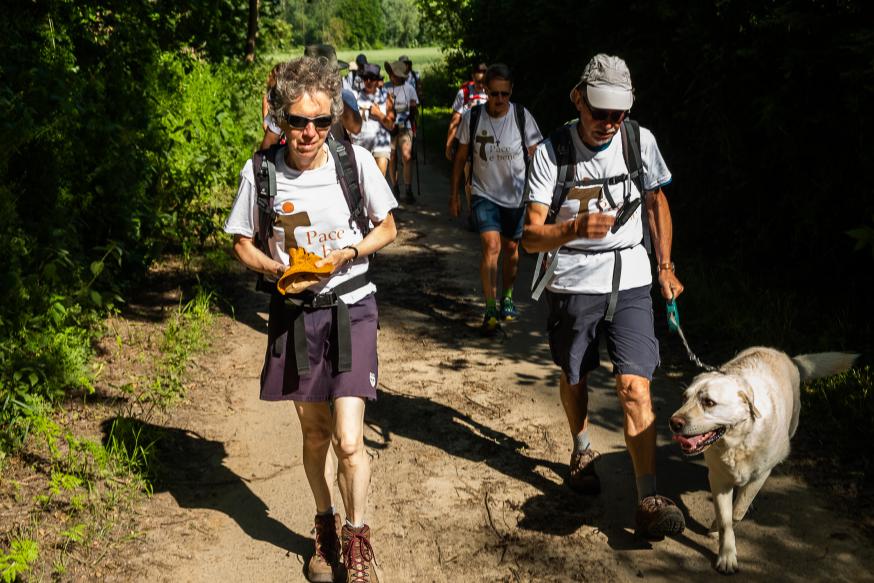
(607, 83)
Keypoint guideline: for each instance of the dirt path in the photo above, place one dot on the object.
(469, 444)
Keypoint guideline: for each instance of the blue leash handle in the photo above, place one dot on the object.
(673, 316)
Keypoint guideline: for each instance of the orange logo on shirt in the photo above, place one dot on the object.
(287, 207)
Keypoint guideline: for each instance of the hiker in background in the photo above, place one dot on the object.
(413, 78)
(403, 103)
(498, 139)
(327, 373)
(373, 105)
(470, 94)
(599, 283)
(353, 80)
(265, 104)
(349, 121)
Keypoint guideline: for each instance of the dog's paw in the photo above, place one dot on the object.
(726, 563)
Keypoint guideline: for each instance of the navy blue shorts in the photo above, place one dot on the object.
(576, 322)
(279, 378)
(494, 217)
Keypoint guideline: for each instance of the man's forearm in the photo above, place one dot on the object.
(537, 238)
(661, 225)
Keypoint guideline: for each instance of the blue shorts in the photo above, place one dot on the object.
(576, 322)
(494, 217)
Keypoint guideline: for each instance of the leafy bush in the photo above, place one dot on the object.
(123, 123)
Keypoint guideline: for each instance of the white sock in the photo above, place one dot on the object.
(350, 525)
(581, 441)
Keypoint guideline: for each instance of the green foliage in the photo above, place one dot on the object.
(842, 407)
(124, 125)
(133, 450)
(17, 560)
(402, 25)
(363, 23)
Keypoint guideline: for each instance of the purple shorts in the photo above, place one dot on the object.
(281, 383)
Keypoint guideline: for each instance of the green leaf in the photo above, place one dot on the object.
(96, 298)
(96, 268)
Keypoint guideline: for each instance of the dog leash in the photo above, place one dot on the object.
(674, 326)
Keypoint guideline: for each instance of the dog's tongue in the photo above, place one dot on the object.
(691, 441)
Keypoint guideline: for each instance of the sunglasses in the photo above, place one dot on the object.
(499, 93)
(611, 115)
(300, 122)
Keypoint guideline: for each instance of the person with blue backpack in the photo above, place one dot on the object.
(496, 139)
(596, 206)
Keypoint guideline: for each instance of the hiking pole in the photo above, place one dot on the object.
(422, 137)
(418, 181)
(674, 326)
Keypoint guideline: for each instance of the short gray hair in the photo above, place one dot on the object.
(305, 75)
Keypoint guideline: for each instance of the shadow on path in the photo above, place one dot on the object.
(190, 467)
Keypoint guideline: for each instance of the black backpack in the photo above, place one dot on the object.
(565, 157)
(264, 168)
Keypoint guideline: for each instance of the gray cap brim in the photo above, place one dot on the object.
(607, 97)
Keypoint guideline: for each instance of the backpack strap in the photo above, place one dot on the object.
(630, 133)
(520, 123)
(347, 176)
(565, 161)
(264, 169)
(475, 113)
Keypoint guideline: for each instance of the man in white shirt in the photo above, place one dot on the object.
(497, 138)
(600, 281)
(403, 104)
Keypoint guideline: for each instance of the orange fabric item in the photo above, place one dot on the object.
(302, 272)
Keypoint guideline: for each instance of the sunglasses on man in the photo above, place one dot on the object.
(300, 122)
(611, 115)
(499, 94)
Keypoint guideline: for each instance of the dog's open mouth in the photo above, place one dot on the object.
(695, 444)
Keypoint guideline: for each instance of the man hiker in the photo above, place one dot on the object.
(403, 104)
(599, 284)
(469, 95)
(498, 138)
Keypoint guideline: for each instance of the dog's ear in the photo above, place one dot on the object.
(747, 397)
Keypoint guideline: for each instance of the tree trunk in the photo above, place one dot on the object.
(253, 30)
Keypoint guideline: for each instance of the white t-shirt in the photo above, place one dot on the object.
(312, 205)
(592, 273)
(498, 159)
(404, 98)
(475, 98)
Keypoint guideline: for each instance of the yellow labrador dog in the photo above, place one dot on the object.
(742, 417)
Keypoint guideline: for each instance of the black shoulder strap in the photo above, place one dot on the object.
(520, 123)
(347, 176)
(475, 113)
(264, 169)
(630, 132)
(565, 159)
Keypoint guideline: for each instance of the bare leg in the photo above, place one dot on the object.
(407, 154)
(640, 433)
(382, 164)
(488, 267)
(354, 465)
(510, 262)
(575, 400)
(315, 425)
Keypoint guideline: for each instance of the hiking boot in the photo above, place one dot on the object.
(358, 555)
(325, 561)
(508, 310)
(582, 478)
(408, 196)
(490, 322)
(658, 517)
